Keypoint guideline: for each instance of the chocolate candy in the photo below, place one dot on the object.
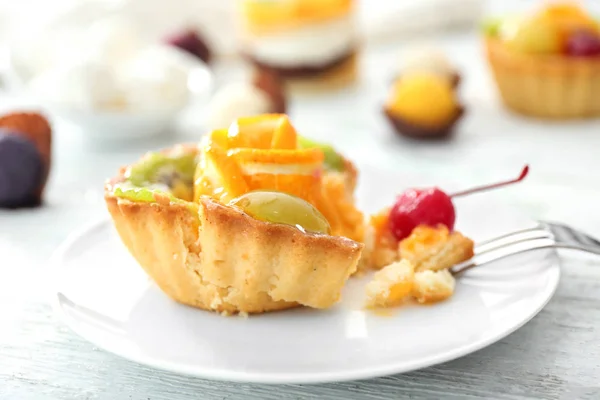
(270, 83)
(21, 171)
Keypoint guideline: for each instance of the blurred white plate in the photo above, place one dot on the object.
(103, 295)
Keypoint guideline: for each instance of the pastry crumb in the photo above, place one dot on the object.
(433, 286)
(391, 285)
(435, 249)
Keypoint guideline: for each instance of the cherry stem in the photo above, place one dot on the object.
(478, 189)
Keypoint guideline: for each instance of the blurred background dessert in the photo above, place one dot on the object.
(25, 159)
(305, 41)
(546, 62)
(102, 74)
(423, 101)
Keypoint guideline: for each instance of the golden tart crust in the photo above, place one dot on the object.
(552, 87)
(221, 259)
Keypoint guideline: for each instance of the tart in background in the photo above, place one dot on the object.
(311, 44)
(547, 64)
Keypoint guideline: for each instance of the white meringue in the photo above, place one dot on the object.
(83, 85)
(234, 101)
(156, 80)
(426, 59)
(112, 40)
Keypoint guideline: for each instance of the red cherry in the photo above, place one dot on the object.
(583, 44)
(421, 207)
(432, 207)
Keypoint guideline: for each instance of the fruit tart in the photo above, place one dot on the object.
(309, 43)
(253, 219)
(547, 64)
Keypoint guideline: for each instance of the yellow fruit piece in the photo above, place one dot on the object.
(284, 135)
(221, 177)
(423, 99)
(262, 132)
(219, 138)
(533, 35)
(568, 17)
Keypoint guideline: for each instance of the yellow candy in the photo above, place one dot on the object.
(423, 99)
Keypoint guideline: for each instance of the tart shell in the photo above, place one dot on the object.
(550, 87)
(221, 259)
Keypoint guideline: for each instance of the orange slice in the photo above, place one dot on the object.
(293, 171)
(285, 159)
(221, 177)
(219, 138)
(284, 136)
(254, 132)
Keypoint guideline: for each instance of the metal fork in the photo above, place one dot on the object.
(546, 235)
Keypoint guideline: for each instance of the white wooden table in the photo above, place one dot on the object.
(555, 356)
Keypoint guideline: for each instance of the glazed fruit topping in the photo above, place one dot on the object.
(282, 208)
(583, 44)
(432, 207)
(163, 168)
(169, 174)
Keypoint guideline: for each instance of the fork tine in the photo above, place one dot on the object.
(534, 244)
(511, 238)
(508, 235)
(488, 256)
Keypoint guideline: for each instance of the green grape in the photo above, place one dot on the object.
(282, 208)
(333, 160)
(491, 26)
(149, 169)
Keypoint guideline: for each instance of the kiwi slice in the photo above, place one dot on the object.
(333, 161)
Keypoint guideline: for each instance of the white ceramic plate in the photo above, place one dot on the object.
(105, 297)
